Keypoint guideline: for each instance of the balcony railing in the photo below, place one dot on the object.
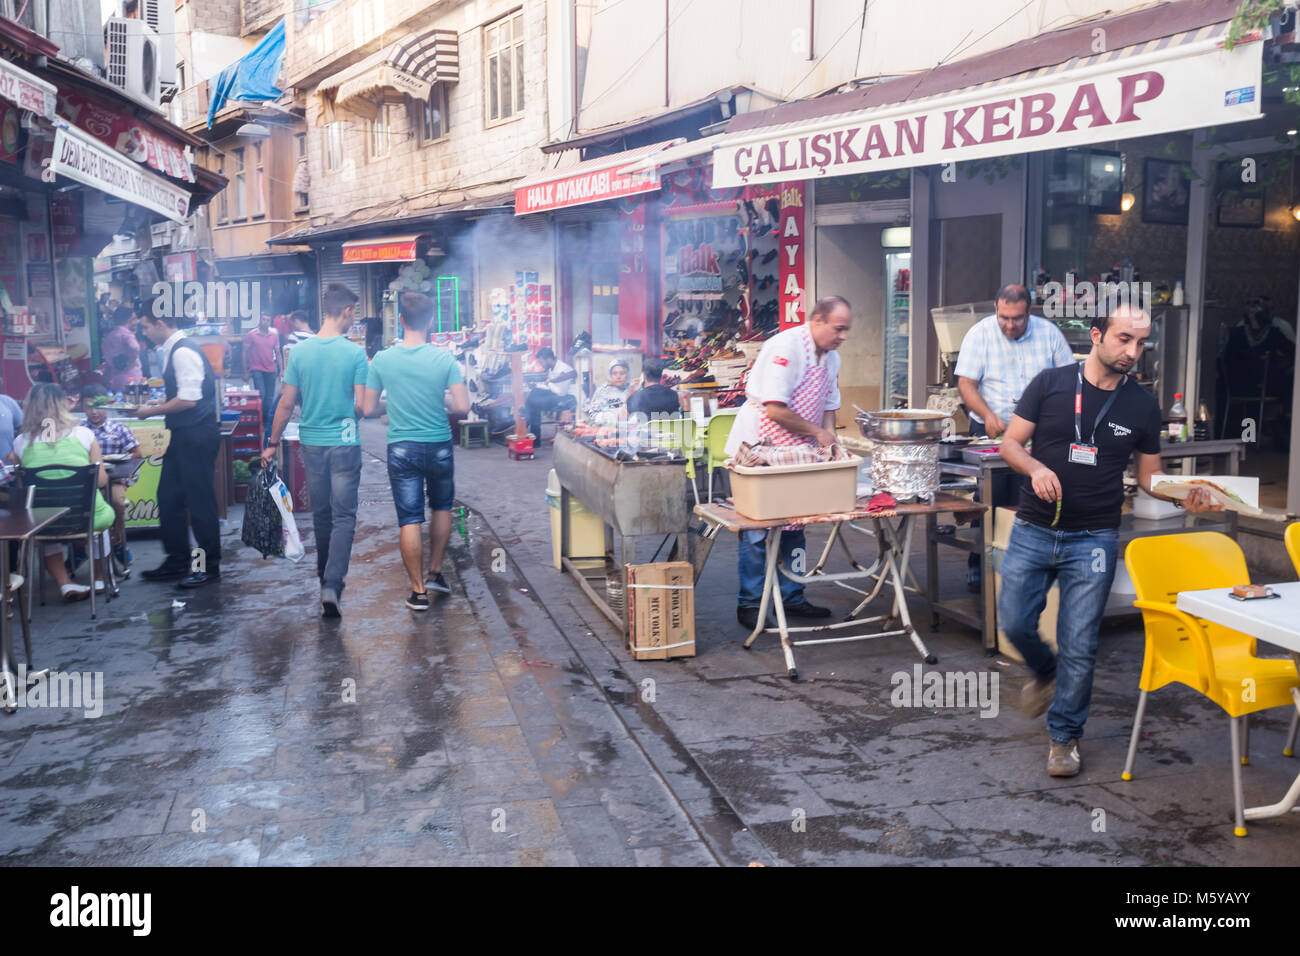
(193, 103)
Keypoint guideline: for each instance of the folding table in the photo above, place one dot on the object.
(893, 532)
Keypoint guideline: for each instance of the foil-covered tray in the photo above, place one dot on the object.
(906, 470)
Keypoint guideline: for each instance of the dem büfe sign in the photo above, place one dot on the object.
(967, 131)
(87, 164)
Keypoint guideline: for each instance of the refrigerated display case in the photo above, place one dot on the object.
(898, 294)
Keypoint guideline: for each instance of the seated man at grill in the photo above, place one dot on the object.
(653, 397)
(555, 395)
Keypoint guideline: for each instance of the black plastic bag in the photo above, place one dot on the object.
(263, 529)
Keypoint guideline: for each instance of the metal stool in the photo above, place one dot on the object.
(474, 433)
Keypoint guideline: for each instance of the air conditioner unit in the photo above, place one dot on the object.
(161, 17)
(131, 53)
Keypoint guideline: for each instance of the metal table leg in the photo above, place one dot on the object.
(1291, 802)
(987, 592)
(9, 685)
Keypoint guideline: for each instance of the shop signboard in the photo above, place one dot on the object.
(380, 250)
(26, 91)
(10, 127)
(127, 135)
(88, 161)
(594, 186)
(142, 497)
(791, 272)
(1184, 86)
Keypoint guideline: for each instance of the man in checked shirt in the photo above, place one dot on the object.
(999, 356)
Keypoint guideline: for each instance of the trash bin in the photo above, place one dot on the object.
(586, 529)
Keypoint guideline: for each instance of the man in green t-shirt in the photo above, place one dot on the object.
(417, 376)
(329, 371)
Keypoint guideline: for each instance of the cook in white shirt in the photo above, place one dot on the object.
(791, 396)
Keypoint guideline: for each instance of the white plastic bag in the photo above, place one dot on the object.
(293, 549)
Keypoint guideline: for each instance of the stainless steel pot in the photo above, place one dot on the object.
(902, 425)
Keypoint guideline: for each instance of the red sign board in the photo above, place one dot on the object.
(791, 273)
(383, 250)
(127, 135)
(595, 186)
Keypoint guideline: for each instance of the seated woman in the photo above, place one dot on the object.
(51, 436)
(612, 396)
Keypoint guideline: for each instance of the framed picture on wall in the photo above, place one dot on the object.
(1165, 192)
(1239, 204)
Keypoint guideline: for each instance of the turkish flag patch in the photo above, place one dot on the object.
(781, 360)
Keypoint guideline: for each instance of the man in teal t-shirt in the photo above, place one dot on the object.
(417, 376)
(329, 371)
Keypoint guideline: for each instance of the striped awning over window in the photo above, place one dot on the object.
(408, 67)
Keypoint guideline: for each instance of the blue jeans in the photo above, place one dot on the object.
(1083, 563)
(420, 469)
(333, 475)
(752, 566)
(264, 382)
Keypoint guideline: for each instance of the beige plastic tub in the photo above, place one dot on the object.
(765, 492)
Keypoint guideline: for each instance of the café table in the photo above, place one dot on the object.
(16, 524)
(1275, 620)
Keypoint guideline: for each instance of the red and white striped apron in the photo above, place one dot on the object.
(808, 400)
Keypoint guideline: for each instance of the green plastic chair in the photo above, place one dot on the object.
(715, 441)
(677, 434)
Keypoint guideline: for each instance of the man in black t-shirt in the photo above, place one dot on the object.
(1085, 420)
(654, 397)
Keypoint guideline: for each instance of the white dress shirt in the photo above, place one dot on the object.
(562, 389)
(189, 368)
(777, 374)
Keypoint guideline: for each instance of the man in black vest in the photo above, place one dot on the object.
(190, 413)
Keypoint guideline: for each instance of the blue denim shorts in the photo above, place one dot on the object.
(417, 469)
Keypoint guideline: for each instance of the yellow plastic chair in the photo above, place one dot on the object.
(676, 434)
(1211, 659)
(715, 443)
(1292, 539)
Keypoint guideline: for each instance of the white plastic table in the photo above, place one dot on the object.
(1276, 620)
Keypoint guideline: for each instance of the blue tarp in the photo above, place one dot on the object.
(253, 76)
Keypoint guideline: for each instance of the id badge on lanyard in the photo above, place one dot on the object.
(1081, 452)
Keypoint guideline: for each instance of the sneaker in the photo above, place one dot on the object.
(1063, 760)
(329, 603)
(100, 587)
(1036, 696)
(437, 582)
(418, 601)
(15, 582)
(75, 592)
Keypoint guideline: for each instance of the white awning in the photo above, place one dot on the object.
(674, 154)
(86, 160)
(408, 67)
(1164, 85)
